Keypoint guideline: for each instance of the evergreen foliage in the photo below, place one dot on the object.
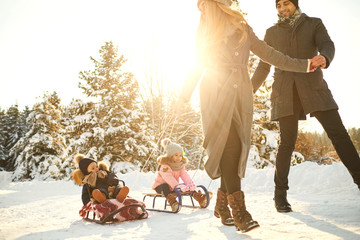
(111, 128)
(39, 151)
(124, 128)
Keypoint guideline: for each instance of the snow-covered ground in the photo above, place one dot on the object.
(325, 201)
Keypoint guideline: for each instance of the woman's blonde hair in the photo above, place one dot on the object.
(219, 20)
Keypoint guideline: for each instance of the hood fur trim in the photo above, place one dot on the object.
(103, 166)
(166, 160)
(78, 176)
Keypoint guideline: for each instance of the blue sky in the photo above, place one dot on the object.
(45, 44)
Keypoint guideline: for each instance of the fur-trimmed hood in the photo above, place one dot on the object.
(167, 160)
(78, 176)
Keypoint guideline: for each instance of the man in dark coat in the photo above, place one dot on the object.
(294, 95)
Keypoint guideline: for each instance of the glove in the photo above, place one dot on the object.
(191, 186)
(184, 188)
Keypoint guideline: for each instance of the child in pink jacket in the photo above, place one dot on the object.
(171, 169)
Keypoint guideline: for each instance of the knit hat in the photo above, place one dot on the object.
(295, 2)
(83, 163)
(170, 147)
(225, 2)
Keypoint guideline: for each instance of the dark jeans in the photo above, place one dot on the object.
(230, 180)
(163, 189)
(333, 126)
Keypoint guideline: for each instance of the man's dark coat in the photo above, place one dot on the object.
(305, 40)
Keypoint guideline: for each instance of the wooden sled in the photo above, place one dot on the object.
(179, 196)
(112, 210)
(110, 217)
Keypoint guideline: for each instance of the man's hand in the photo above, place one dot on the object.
(317, 61)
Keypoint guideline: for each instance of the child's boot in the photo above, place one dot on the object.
(99, 196)
(124, 191)
(201, 198)
(171, 199)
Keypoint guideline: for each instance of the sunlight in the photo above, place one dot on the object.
(163, 53)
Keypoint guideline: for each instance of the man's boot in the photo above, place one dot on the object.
(222, 210)
(242, 218)
(281, 203)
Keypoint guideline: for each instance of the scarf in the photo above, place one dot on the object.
(92, 177)
(177, 166)
(291, 20)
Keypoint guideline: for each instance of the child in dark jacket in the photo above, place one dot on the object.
(98, 182)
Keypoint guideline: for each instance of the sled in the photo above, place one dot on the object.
(112, 210)
(179, 196)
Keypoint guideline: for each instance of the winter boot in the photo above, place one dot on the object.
(171, 199)
(281, 203)
(242, 218)
(221, 209)
(201, 198)
(99, 196)
(122, 193)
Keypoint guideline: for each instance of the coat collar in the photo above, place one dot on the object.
(301, 19)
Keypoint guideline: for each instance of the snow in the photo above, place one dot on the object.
(324, 199)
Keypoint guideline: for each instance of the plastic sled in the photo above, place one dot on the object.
(179, 196)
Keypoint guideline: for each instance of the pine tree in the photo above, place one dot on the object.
(40, 150)
(116, 132)
(79, 121)
(3, 154)
(265, 133)
(16, 128)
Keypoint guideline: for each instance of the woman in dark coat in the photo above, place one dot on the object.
(224, 43)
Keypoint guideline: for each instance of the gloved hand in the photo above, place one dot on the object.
(184, 188)
(190, 187)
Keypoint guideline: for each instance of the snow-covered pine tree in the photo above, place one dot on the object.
(12, 128)
(265, 134)
(40, 150)
(117, 134)
(3, 154)
(79, 120)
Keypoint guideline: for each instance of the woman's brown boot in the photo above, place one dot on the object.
(171, 199)
(221, 209)
(242, 218)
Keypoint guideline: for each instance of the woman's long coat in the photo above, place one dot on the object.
(308, 37)
(226, 95)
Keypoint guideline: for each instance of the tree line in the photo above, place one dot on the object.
(124, 127)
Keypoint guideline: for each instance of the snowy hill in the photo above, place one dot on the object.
(325, 201)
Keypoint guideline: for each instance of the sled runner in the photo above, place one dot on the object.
(112, 210)
(179, 196)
